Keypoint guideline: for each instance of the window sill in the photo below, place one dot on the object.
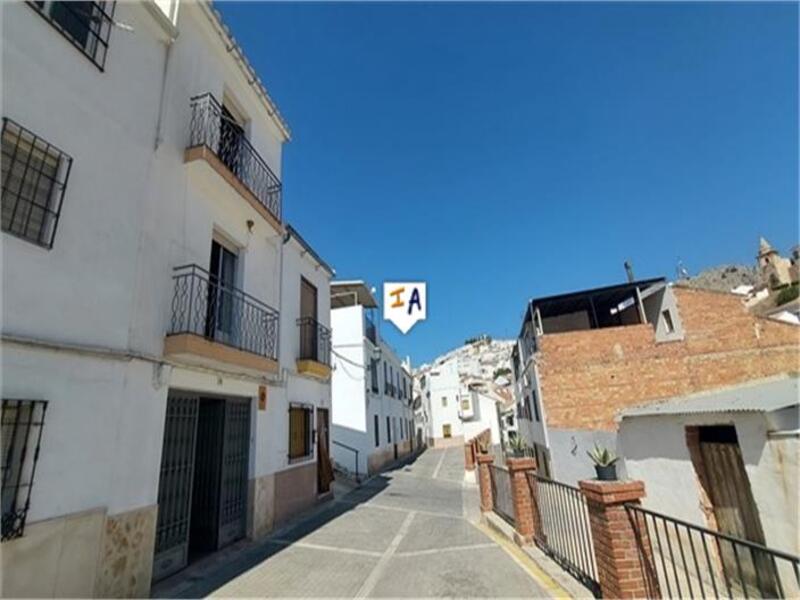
(299, 460)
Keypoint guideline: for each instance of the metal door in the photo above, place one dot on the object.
(207, 475)
(175, 485)
(235, 458)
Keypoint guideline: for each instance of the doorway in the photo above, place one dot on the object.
(721, 468)
(324, 466)
(202, 489)
(221, 296)
(308, 320)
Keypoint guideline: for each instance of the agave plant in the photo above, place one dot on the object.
(602, 456)
(517, 445)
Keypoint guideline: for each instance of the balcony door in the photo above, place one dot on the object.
(308, 319)
(221, 288)
(230, 139)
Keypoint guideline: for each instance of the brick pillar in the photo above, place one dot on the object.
(485, 480)
(469, 457)
(622, 570)
(524, 523)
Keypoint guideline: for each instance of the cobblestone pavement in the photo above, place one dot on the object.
(404, 533)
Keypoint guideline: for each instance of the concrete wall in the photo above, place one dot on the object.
(655, 451)
(569, 462)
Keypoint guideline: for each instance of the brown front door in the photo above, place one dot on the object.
(324, 466)
(308, 320)
(735, 509)
(308, 299)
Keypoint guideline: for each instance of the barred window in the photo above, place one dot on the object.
(299, 432)
(22, 423)
(34, 175)
(86, 24)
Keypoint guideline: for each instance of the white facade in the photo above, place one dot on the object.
(457, 411)
(372, 412)
(765, 415)
(86, 323)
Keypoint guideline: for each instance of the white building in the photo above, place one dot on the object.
(161, 396)
(373, 416)
(733, 454)
(458, 408)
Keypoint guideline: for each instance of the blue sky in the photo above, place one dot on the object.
(501, 152)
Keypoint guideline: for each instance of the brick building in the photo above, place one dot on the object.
(583, 357)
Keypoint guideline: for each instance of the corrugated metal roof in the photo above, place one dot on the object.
(761, 396)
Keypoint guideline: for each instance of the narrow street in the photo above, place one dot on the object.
(406, 533)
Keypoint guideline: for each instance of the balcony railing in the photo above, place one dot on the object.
(370, 331)
(202, 305)
(210, 127)
(315, 341)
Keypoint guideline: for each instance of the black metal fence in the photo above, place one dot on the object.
(315, 341)
(502, 498)
(22, 425)
(683, 560)
(204, 306)
(213, 128)
(565, 533)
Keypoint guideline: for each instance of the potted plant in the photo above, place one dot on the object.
(483, 445)
(517, 446)
(604, 463)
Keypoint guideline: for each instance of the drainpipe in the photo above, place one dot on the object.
(162, 97)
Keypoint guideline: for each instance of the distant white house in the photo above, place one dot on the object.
(373, 415)
(458, 408)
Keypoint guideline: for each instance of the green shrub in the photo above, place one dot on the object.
(788, 294)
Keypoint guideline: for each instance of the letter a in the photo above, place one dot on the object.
(414, 300)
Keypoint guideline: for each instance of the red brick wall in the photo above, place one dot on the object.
(586, 377)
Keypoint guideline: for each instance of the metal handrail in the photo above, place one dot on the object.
(235, 151)
(669, 558)
(346, 447)
(564, 531)
(202, 305)
(315, 340)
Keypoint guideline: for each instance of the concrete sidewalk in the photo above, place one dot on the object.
(401, 534)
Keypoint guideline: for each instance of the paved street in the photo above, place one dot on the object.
(403, 534)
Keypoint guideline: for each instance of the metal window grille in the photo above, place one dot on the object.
(22, 424)
(87, 25)
(34, 175)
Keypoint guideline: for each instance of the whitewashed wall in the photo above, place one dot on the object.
(655, 451)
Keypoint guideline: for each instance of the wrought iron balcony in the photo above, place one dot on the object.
(315, 341)
(203, 306)
(213, 129)
(369, 329)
